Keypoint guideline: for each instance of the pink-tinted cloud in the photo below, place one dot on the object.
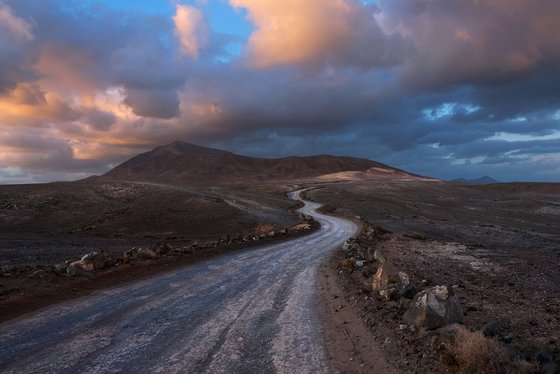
(16, 26)
(470, 41)
(190, 29)
(317, 32)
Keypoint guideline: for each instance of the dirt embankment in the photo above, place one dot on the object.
(503, 276)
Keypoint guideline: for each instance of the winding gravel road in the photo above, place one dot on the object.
(249, 312)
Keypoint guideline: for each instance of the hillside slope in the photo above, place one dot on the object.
(183, 162)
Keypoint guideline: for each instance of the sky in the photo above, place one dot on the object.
(444, 88)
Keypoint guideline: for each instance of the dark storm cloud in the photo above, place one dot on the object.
(151, 103)
(426, 85)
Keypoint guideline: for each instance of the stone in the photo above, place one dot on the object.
(60, 268)
(388, 281)
(141, 254)
(161, 248)
(88, 263)
(410, 291)
(378, 256)
(94, 260)
(301, 227)
(499, 330)
(434, 308)
(79, 268)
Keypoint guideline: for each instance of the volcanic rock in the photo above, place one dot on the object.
(434, 308)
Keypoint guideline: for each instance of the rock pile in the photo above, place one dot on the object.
(94, 261)
(421, 307)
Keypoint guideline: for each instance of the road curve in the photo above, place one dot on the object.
(249, 312)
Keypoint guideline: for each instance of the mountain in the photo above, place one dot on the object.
(482, 180)
(184, 162)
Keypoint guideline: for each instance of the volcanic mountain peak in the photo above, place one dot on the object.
(180, 148)
(184, 162)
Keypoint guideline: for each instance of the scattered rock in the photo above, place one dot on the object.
(140, 254)
(162, 249)
(434, 308)
(60, 268)
(379, 256)
(301, 227)
(88, 263)
(388, 281)
(96, 260)
(499, 330)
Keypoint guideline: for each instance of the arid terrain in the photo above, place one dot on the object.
(493, 249)
(497, 246)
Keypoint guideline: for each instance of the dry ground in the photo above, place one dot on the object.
(498, 245)
(46, 224)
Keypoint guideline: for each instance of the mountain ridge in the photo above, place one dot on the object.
(185, 162)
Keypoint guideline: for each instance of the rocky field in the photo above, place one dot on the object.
(486, 257)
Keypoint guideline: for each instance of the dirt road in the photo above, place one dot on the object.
(251, 312)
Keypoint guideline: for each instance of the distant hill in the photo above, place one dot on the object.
(184, 162)
(482, 180)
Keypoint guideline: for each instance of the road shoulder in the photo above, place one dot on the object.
(350, 346)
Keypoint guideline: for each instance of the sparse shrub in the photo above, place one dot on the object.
(471, 352)
(347, 264)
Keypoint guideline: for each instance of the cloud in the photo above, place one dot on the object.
(190, 29)
(318, 32)
(425, 85)
(16, 26)
(156, 104)
(473, 41)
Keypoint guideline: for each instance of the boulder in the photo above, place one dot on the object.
(434, 308)
(302, 227)
(140, 254)
(389, 282)
(95, 259)
(88, 263)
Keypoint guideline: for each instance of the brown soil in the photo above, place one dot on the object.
(350, 347)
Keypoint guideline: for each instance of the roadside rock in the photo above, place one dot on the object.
(389, 282)
(140, 254)
(378, 256)
(95, 259)
(301, 227)
(87, 264)
(60, 268)
(434, 308)
(162, 249)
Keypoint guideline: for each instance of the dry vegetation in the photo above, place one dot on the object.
(470, 352)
